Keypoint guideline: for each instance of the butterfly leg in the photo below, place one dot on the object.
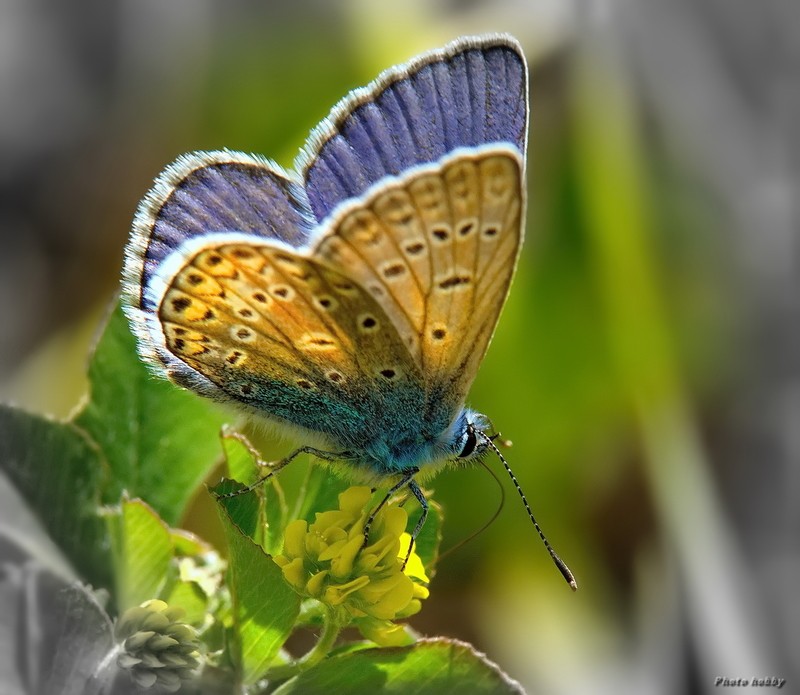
(274, 466)
(406, 481)
(229, 433)
(423, 503)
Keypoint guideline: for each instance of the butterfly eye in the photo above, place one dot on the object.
(470, 444)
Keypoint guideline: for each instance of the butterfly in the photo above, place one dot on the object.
(349, 302)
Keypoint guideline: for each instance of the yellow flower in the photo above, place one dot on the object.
(325, 561)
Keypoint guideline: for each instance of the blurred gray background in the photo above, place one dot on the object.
(646, 366)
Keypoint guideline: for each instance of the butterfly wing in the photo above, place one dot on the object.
(471, 92)
(436, 248)
(287, 336)
(437, 147)
(202, 193)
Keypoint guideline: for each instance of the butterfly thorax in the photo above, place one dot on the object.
(428, 449)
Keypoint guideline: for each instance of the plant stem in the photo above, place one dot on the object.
(330, 631)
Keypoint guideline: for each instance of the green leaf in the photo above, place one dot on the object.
(320, 492)
(264, 605)
(188, 544)
(159, 440)
(191, 598)
(430, 667)
(58, 471)
(243, 508)
(142, 549)
(241, 458)
(244, 464)
(275, 516)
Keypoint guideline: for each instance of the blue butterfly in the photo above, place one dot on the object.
(349, 302)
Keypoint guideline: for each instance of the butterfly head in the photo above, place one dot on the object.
(469, 438)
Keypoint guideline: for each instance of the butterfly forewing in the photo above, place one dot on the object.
(465, 95)
(437, 249)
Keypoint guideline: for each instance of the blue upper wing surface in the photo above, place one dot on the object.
(207, 192)
(470, 93)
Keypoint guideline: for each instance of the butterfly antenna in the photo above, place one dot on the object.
(485, 525)
(562, 566)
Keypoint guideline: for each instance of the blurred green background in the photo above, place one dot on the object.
(645, 366)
